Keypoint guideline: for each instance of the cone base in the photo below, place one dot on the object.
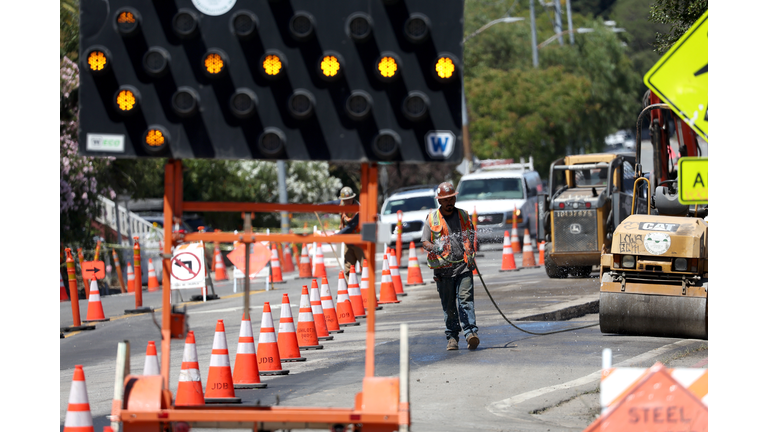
(376, 308)
(311, 347)
(360, 316)
(250, 386)
(140, 310)
(305, 277)
(389, 302)
(199, 297)
(325, 338)
(76, 328)
(96, 320)
(402, 294)
(349, 324)
(335, 331)
(234, 400)
(415, 284)
(270, 373)
(509, 270)
(294, 359)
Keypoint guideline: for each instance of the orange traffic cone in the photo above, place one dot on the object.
(152, 284)
(95, 311)
(131, 277)
(355, 296)
(515, 240)
(387, 289)
(219, 387)
(319, 262)
(364, 281)
(414, 270)
(219, 267)
(395, 272)
(246, 373)
(288, 261)
(78, 410)
(267, 351)
(344, 311)
(541, 252)
(317, 313)
(62, 290)
(528, 258)
(329, 311)
(277, 274)
(190, 391)
(507, 256)
(305, 265)
(306, 331)
(287, 341)
(151, 365)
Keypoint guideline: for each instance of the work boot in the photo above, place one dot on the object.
(453, 344)
(473, 341)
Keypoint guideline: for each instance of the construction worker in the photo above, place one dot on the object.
(448, 237)
(350, 224)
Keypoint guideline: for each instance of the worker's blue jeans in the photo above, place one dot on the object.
(460, 289)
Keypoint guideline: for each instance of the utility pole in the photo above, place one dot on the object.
(285, 225)
(570, 23)
(558, 22)
(533, 37)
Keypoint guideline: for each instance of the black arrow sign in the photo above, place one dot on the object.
(184, 264)
(95, 270)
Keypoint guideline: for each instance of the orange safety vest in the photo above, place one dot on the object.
(346, 220)
(439, 229)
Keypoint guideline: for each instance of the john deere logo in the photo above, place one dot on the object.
(575, 228)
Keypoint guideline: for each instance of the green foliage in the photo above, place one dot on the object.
(680, 14)
(69, 29)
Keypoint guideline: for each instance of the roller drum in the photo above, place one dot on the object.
(653, 315)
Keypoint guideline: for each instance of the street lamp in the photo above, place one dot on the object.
(496, 21)
(579, 30)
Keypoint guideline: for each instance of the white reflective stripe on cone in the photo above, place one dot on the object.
(188, 375)
(306, 317)
(246, 348)
(219, 360)
(245, 328)
(267, 337)
(219, 341)
(150, 366)
(340, 298)
(78, 393)
(190, 353)
(266, 320)
(289, 327)
(327, 304)
(78, 419)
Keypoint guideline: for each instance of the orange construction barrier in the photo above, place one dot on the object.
(288, 261)
(364, 281)
(151, 364)
(344, 311)
(287, 342)
(329, 311)
(246, 373)
(219, 387)
(395, 274)
(277, 274)
(131, 284)
(119, 271)
(305, 265)
(515, 240)
(190, 391)
(387, 290)
(355, 296)
(317, 313)
(507, 256)
(152, 283)
(62, 290)
(95, 310)
(220, 270)
(306, 331)
(78, 409)
(528, 258)
(414, 270)
(541, 252)
(267, 351)
(319, 271)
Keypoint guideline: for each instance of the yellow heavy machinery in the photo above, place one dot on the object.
(654, 279)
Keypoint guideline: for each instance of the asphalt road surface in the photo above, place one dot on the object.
(514, 381)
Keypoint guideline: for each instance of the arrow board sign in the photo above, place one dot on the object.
(188, 267)
(93, 270)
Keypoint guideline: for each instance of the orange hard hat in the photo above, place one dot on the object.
(445, 190)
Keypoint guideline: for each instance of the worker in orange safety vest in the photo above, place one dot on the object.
(350, 224)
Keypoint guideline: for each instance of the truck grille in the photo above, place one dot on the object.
(490, 219)
(575, 230)
(410, 226)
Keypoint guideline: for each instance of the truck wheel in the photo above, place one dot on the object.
(553, 271)
(581, 271)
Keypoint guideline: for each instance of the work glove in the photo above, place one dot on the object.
(471, 264)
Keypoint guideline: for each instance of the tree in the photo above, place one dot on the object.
(680, 14)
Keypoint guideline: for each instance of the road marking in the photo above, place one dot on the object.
(66, 335)
(231, 309)
(498, 408)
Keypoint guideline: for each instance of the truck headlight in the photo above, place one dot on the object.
(628, 261)
(681, 264)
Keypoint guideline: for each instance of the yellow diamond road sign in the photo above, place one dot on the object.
(693, 183)
(679, 78)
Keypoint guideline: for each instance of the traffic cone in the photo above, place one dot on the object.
(387, 289)
(329, 311)
(541, 252)
(305, 265)
(95, 310)
(267, 351)
(288, 261)
(287, 341)
(62, 290)
(395, 272)
(78, 409)
(152, 284)
(246, 373)
(277, 274)
(319, 262)
(355, 296)
(414, 270)
(219, 387)
(528, 258)
(344, 311)
(151, 364)
(515, 242)
(190, 390)
(306, 331)
(219, 267)
(507, 255)
(317, 313)
(131, 278)
(357, 267)
(364, 282)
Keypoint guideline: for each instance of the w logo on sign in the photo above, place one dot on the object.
(440, 144)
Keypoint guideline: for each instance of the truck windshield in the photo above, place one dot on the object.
(410, 204)
(591, 177)
(490, 189)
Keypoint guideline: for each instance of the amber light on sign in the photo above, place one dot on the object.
(214, 63)
(126, 17)
(126, 100)
(387, 67)
(330, 66)
(444, 67)
(272, 65)
(155, 138)
(97, 60)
